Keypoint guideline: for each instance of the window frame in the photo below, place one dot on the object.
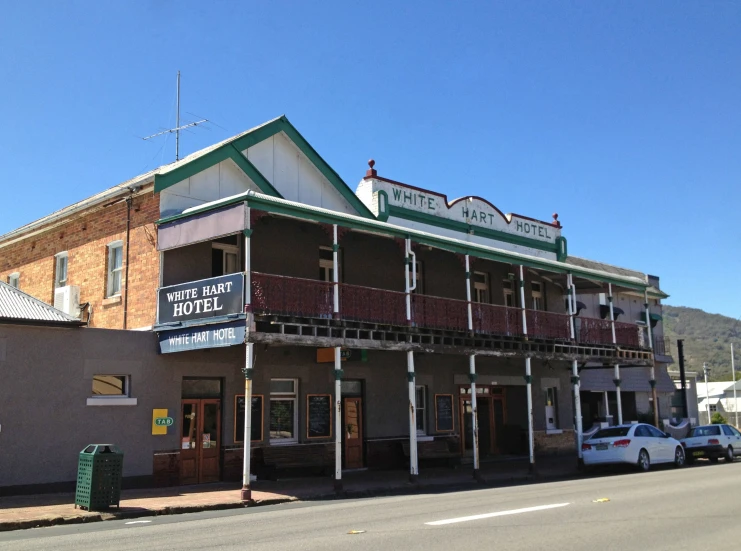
(15, 276)
(554, 392)
(126, 390)
(537, 296)
(423, 388)
(478, 286)
(227, 248)
(57, 261)
(284, 397)
(713, 408)
(326, 266)
(110, 248)
(508, 289)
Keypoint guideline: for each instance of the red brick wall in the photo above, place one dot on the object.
(85, 238)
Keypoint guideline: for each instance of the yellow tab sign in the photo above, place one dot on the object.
(158, 429)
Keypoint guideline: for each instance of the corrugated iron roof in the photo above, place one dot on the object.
(17, 305)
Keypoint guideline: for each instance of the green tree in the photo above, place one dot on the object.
(718, 419)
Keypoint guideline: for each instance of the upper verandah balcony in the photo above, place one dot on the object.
(292, 272)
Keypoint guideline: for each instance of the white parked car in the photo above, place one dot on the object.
(713, 442)
(637, 444)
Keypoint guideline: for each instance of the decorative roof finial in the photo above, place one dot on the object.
(371, 172)
(555, 220)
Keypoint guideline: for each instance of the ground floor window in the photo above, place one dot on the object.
(551, 409)
(283, 410)
(111, 385)
(421, 410)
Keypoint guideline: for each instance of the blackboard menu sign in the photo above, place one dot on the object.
(319, 416)
(257, 421)
(444, 412)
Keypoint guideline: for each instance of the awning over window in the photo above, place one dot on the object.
(604, 311)
(203, 226)
(655, 318)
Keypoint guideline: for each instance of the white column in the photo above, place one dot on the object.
(616, 380)
(335, 272)
(337, 419)
(246, 491)
(474, 414)
(528, 376)
(468, 294)
(248, 361)
(607, 404)
(577, 407)
(652, 382)
(413, 465)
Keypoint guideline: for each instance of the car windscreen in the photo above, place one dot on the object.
(706, 431)
(612, 432)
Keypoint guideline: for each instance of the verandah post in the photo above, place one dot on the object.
(616, 380)
(248, 361)
(528, 377)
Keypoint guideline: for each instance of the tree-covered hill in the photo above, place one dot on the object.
(707, 338)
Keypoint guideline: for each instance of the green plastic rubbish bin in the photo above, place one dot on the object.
(99, 472)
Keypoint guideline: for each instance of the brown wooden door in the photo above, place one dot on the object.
(200, 441)
(353, 432)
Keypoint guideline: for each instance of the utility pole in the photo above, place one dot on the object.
(682, 378)
(733, 372)
(177, 128)
(705, 370)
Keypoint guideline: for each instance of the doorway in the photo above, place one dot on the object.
(491, 416)
(200, 441)
(352, 433)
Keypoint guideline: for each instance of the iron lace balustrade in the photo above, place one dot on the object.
(490, 319)
(439, 313)
(291, 296)
(372, 305)
(628, 334)
(548, 325)
(593, 330)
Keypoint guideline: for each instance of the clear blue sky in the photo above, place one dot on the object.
(623, 117)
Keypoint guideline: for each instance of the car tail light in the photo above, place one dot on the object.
(621, 443)
(713, 441)
(585, 447)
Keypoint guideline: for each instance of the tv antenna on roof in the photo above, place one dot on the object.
(177, 128)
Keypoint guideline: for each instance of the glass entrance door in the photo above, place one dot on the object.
(200, 441)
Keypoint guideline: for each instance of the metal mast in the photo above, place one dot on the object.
(177, 128)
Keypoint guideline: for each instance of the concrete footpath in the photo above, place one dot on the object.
(31, 511)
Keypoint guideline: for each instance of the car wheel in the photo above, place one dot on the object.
(729, 454)
(679, 457)
(644, 461)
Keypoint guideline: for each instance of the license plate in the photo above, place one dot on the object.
(601, 446)
(698, 454)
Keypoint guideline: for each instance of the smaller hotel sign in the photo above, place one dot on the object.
(207, 298)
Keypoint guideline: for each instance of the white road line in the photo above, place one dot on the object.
(498, 514)
(138, 522)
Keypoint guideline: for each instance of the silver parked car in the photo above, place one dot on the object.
(713, 442)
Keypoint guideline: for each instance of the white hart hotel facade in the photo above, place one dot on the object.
(382, 328)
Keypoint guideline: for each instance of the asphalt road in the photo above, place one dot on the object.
(690, 508)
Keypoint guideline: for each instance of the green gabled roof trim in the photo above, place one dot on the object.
(305, 212)
(239, 144)
(251, 171)
(498, 235)
(282, 124)
(212, 158)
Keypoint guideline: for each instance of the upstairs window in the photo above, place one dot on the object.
(60, 271)
(418, 267)
(14, 280)
(225, 256)
(115, 266)
(509, 293)
(537, 294)
(326, 264)
(481, 287)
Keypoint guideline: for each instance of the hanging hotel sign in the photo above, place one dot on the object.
(207, 298)
(472, 211)
(202, 336)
